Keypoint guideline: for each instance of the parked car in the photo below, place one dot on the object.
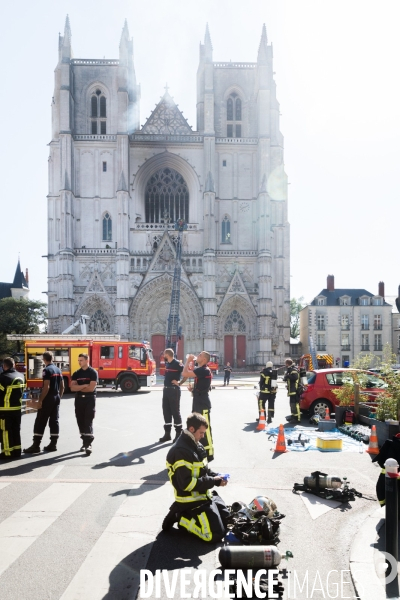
(320, 385)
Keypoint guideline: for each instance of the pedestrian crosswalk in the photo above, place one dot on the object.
(113, 563)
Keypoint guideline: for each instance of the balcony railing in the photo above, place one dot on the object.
(365, 347)
(378, 347)
(364, 327)
(377, 326)
(345, 327)
(321, 327)
(345, 347)
(321, 347)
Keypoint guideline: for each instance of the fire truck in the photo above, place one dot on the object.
(125, 365)
(325, 361)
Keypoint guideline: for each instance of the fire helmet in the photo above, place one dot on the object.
(260, 504)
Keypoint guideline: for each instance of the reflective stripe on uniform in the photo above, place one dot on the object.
(195, 497)
(209, 447)
(191, 485)
(4, 438)
(7, 396)
(204, 532)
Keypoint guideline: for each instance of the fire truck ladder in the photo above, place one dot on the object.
(173, 329)
(313, 352)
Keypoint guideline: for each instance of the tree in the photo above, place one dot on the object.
(19, 317)
(296, 304)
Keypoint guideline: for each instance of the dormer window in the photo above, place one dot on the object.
(364, 301)
(234, 116)
(377, 301)
(320, 301)
(98, 113)
(345, 301)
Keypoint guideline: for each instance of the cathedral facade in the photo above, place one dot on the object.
(116, 189)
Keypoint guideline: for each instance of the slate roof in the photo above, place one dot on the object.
(333, 297)
(18, 283)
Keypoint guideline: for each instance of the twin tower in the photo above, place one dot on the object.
(116, 188)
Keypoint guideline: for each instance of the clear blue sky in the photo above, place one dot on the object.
(337, 72)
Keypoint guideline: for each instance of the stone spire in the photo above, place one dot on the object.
(263, 47)
(64, 42)
(125, 44)
(208, 49)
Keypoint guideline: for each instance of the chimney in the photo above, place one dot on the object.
(27, 277)
(330, 283)
(381, 289)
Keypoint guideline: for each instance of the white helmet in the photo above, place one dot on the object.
(260, 504)
(269, 365)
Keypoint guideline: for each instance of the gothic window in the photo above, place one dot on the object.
(235, 323)
(107, 228)
(103, 106)
(234, 116)
(166, 197)
(99, 323)
(229, 110)
(226, 230)
(94, 106)
(98, 113)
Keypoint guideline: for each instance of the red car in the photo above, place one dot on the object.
(319, 392)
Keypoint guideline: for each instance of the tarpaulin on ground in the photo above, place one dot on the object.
(311, 434)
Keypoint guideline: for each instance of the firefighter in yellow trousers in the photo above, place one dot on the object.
(12, 386)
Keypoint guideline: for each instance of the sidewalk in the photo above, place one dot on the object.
(367, 560)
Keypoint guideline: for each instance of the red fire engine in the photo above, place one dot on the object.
(128, 365)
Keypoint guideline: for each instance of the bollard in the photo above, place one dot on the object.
(391, 516)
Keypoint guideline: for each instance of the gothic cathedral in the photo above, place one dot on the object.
(116, 189)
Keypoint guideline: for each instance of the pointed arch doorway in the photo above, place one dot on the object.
(235, 340)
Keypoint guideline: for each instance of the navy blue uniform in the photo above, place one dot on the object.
(85, 404)
(202, 405)
(11, 389)
(50, 410)
(172, 397)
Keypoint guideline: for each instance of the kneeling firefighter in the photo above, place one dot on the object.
(268, 389)
(292, 378)
(196, 509)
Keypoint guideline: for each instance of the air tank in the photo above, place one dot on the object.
(328, 481)
(274, 378)
(249, 557)
(303, 376)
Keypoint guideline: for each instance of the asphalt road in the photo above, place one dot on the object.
(77, 527)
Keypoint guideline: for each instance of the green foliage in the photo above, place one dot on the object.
(19, 317)
(388, 401)
(296, 304)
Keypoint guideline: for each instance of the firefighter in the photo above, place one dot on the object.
(292, 378)
(49, 402)
(11, 389)
(196, 509)
(227, 373)
(267, 392)
(171, 396)
(84, 382)
(201, 401)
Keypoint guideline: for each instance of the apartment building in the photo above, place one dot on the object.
(347, 322)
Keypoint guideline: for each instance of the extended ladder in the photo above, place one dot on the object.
(173, 329)
(313, 353)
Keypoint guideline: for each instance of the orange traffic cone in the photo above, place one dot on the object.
(261, 423)
(280, 442)
(373, 442)
(327, 414)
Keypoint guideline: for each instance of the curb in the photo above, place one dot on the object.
(362, 567)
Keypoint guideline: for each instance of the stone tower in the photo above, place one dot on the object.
(116, 189)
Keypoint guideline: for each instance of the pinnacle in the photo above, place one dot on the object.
(263, 47)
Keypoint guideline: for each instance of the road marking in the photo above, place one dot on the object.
(156, 482)
(104, 427)
(55, 472)
(318, 506)
(21, 529)
(134, 526)
(3, 485)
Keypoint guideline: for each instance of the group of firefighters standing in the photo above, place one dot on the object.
(196, 508)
